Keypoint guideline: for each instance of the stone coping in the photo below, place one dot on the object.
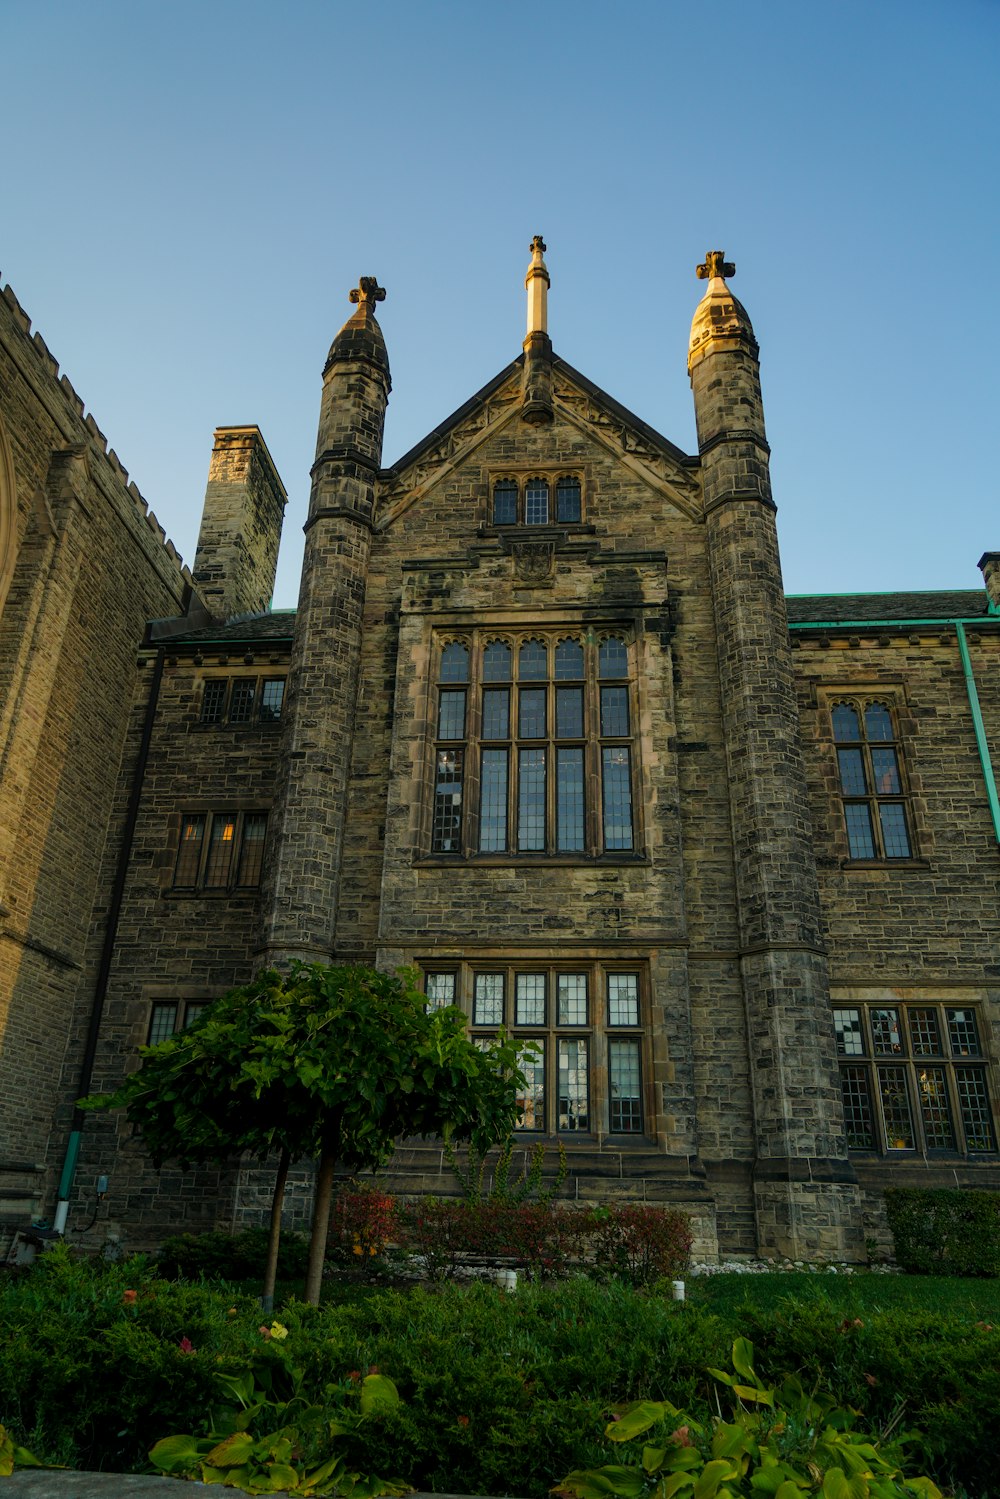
(55, 1483)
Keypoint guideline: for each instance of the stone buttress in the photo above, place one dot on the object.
(806, 1198)
(299, 896)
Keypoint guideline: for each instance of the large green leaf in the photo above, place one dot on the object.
(743, 1359)
(179, 1454)
(378, 1395)
(232, 1451)
(638, 1418)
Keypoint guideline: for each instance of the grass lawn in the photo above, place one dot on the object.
(854, 1295)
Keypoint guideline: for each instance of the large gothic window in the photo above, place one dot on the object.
(533, 750)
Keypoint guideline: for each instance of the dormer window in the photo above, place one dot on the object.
(537, 500)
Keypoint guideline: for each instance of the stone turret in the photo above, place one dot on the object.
(807, 1201)
(305, 844)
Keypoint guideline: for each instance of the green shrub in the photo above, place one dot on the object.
(222, 1256)
(945, 1232)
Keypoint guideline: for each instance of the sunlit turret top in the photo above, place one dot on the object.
(720, 321)
(537, 282)
(361, 336)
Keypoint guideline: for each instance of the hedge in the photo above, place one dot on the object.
(944, 1232)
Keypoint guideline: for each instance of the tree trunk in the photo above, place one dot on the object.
(274, 1233)
(321, 1219)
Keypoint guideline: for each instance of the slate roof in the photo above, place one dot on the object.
(844, 608)
(247, 629)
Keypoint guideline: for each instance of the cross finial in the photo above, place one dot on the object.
(715, 264)
(368, 290)
(538, 244)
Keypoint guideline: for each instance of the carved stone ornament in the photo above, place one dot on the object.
(534, 561)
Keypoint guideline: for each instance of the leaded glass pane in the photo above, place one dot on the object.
(625, 1088)
(623, 999)
(963, 1032)
(974, 1103)
(451, 714)
(531, 1102)
(573, 1090)
(932, 1091)
(505, 503)
(193, 1012)
(529, 999)
(162, 1023)
(221, 843)
(859, 830)
(878, 722)
(571, 999)
(446, 831)
(617, 798)
(885, 769)
(569, 661)
(613, 661)
(614, 712)
(852, 772)
(189, 851)
(487, 999)
(569, 712)
(925, 1033)
(895, 1108)
(886, 1035)
(242, 700)
(496, 713)
(895, 838)
(213, 702)
(496, 662)
(493, 802)
(531, 713)
(850, 1036)
(455, 662)
(845, 723)
(857, 1108)
(531, 800)
(569, 800)
(272, 697)
(533, 661)
(440, 990)
(252, 850)
(536, 502)
(568, 500)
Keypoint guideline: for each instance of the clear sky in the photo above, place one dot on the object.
(190, 191)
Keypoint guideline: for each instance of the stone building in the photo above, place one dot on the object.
(545, 727)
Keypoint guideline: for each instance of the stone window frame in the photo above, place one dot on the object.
(520, 481)
(859, 698)
(194, 871)
(457, 760)
(160, 1025)
(257, 718)
(552, 1113)
(916, 1077)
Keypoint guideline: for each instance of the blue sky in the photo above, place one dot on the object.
(191, 190)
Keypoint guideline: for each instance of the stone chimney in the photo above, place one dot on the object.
(240, 525)
(989, 566)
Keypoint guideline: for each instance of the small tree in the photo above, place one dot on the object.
(336, 1063)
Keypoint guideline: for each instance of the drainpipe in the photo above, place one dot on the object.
(970, 682)
(107, 951)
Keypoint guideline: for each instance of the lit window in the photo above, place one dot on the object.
(220, 851)
(871, 780)
(930, 1096)
(541, 726)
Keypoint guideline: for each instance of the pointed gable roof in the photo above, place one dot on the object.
(653, 458)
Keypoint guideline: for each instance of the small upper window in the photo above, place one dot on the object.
(220, 851)
(242, 700)
(531, 502)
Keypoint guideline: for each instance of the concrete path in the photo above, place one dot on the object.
(51, 1483)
